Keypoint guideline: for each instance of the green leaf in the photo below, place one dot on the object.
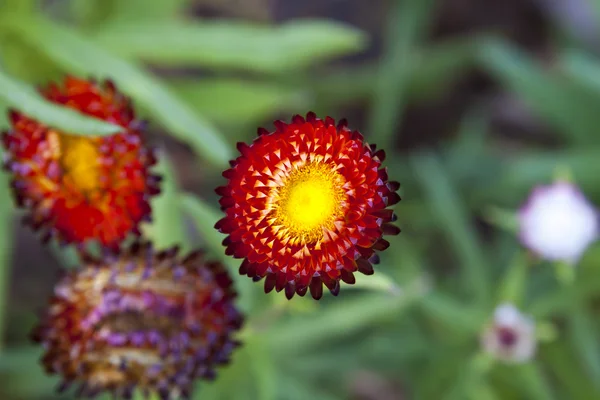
(482, 391)
(438, 66)
(513, 285)
(471, 377)
(144, 10)
(455, 222)
(583, 339)
(559, 301)
(533, 382)
(379, 282)
(24, 99)
(567, 373)
(525, 170)
(556, 99)
(205, 218)
(453, 315)
(432, 70)
(235, 101)
(406, 26)
(167, 228)
(76, 53)
(4, 124)
(234, 45)
(583, 68)
(341, 318)
(19, 367)
(242, 379)
(507, 220)
(6, 246)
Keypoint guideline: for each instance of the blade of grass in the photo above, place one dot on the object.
(343, 318)
(167, 228)
(432, 70)
(470, 378)
(567, 373)
(455, 316)
(6, 239)
(582, 67)
(513, 284)
(455, 222)
(82, 55)
(583, 339)
(234, 101)
(23, 98)
(560, 102)
(559, 301)
(379, 282)
(234, 45)
(205, 218)
(143, 10)
(534, 382)
(407, 22)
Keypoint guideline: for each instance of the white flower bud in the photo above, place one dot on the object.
(558, 223)
(510, 337)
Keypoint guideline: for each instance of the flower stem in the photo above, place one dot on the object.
(5, 250)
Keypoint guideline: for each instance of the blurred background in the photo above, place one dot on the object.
(475, 102)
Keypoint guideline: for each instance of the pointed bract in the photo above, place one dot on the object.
(113, 327)
(80, 188)
(307, 206)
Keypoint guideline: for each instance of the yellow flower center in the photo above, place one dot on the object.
(79, 158)
(310, 200)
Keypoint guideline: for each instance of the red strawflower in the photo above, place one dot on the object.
(147, 321)
(306, 205)
(79, 188)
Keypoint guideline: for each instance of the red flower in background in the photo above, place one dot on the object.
(306, 205)
(79, 188)
(148, 321)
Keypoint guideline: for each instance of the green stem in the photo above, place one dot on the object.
(5, 250)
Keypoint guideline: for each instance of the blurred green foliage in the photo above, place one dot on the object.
(417, 321)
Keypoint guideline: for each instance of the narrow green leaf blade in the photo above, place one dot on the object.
(513, 284)
(550, 95)
(23, 98)
(455, 222)
(76, 53)
(6, 245)
(534, 382)
(235, 45)
(407, 24)
(342, 318)
(144, 10)
(205, 218)
(379, 282)
(583, 338)
(167, 228)
(235, 101)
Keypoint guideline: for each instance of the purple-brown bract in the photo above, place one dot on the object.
(145, 320)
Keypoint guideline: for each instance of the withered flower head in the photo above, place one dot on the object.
(306, 205)
(147, 321)
(79, 188)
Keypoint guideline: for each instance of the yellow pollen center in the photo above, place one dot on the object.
(310, 200)
(79, 158)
